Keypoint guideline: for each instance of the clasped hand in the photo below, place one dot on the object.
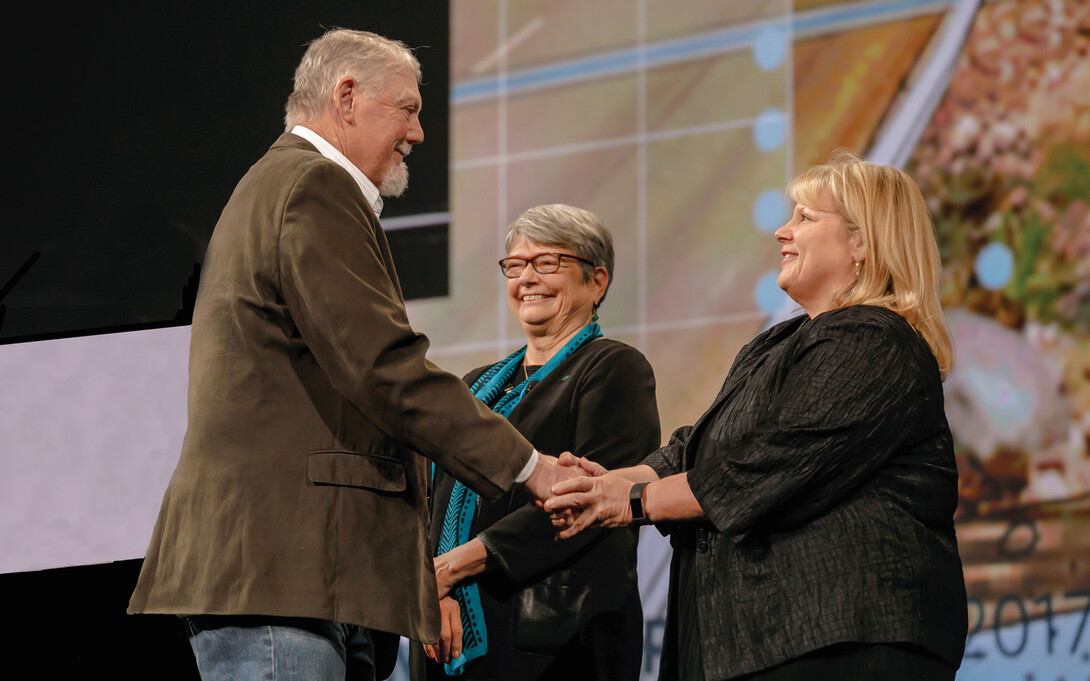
(597, 498)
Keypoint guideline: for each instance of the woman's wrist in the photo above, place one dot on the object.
(462, 562)
(640, 473)
(472, 560)
(670, 498)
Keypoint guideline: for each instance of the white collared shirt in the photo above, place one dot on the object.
(370, 191)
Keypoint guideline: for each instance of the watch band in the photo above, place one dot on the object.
(635, 502)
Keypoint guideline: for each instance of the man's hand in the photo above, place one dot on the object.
(564, 519)
(588, 467)
(547, 473)
(450, 636)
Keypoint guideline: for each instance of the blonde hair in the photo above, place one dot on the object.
(900, 269)
(367, 57)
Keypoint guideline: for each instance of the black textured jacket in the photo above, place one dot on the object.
(826, 471)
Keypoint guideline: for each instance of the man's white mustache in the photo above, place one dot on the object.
(404, 149)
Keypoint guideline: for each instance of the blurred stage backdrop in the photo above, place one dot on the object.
(680, 123)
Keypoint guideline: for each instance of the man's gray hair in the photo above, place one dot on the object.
(367, 57)
(563, 226)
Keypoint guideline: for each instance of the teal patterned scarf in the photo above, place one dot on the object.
(463, 501)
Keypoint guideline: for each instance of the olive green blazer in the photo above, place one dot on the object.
(301, 489)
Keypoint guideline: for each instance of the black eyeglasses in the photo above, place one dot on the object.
(543, 263)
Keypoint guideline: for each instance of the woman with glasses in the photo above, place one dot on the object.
(516, 604)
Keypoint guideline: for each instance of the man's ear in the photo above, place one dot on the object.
(344, 94)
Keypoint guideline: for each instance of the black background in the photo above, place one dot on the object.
(131, 126)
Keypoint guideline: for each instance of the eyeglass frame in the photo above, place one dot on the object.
(530, 261)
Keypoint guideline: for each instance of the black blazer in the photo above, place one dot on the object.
(599, 403)
(826, 470)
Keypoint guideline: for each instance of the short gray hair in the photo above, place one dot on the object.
(367, 57)
(563, 226)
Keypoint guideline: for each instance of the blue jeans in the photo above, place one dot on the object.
(260, 648)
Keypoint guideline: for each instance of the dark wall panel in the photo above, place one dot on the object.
(132, 126)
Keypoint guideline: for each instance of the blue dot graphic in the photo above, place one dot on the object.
(770, 130)
(768, 296)
(994, 266)
(769, 47)
(770, 210)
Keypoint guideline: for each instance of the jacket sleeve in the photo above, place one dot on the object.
(666, 461)
(854, 393)
(337, 283)
(615, 423)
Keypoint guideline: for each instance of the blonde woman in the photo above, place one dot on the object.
(811, 507)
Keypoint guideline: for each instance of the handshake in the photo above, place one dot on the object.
(578, 493)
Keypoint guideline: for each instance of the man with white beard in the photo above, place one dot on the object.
(293, 534)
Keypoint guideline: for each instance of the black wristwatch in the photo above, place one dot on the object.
(635, 502)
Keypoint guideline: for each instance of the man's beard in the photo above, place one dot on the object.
(397, 178)
(396, 181)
